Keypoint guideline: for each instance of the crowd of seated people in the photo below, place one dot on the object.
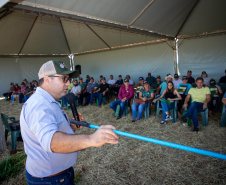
(193, 95)
(21, 93)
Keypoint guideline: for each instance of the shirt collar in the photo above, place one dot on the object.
(46, 95)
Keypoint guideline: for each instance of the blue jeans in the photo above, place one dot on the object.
(65, 101)
(26, 97)
(192, 111)
(165, 108)
(114, 105)
(140, 109)
(64, 178)
(96, 95)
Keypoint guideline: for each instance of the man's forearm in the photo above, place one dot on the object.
(66, 143)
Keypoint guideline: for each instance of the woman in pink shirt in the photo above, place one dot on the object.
(21, 91)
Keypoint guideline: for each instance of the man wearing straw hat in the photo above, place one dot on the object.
(49, 140)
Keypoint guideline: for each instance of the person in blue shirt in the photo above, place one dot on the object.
(183, 89)
(150, 79)
(49, 139)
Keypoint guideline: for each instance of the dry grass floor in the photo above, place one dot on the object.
(138, 162)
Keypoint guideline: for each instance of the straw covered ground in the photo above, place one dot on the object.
(138, 162)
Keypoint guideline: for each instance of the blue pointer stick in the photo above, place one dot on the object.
(156, 141)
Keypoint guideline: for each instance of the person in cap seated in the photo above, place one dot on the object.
(10, 91)
(130, 80)
(171, 95)
(157, 83)
(146, 94)
(191, 80)
(200, 97)
(90, 88)
(139, 87)
(111, 81)
(115, 87)
(176, 81)
(150, 79)
(215, 91)
(205, 78)
(100, 81)
(99, 92)
(223, 78)
(125, 94)
(28, 92)
(87, 79)
(182, 89)
(163, 85)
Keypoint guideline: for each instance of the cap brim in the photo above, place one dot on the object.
(72, 74)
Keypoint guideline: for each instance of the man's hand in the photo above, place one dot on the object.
(103, 135)
(204, 106)
(104, 93)
(74, 126)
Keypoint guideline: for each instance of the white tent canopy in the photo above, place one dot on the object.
(54, 29)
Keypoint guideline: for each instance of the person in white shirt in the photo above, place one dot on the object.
(176, 81)
(111, 81)
(76, 89)
(205, 78)
(130, 80)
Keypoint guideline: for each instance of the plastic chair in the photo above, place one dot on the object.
(173, 111)
(125, 109)
(147, 111)
(223, 117)
(13, 127)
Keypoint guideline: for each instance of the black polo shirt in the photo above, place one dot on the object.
(103, 87)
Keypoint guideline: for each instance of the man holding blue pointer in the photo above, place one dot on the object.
(49, 139)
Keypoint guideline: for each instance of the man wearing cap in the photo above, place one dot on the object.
(183, 89)
(191, 80)
(124, 95)
(115, 87)
(90, 88)
(140, 87)
(87, 79)
(223, 78)
(200, 96)
(150, 79)
(176, 80)
(157, 83)
(49, 140)
(100, 92)
(163, 85)
(205, 78)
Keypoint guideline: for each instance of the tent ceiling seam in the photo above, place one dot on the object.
(142, 11)
(98, 36)
(69, 49)
(27, 35)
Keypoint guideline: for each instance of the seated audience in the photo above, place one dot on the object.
(82, 84)
(9, 93)
(125, 94)
(145, 94)
(191, 80)
(28, 92)
(111, 81)
(215, 90)
(205, 78)
(87, 79)
(183, 89)
(90, 88)
(223, 78)
(20, 94)
(100, 81)
(163, 85)
(171, 95)
(115, 87)
(35, 85)
(200, 97)
(26, 82)
(100, 92)
(157, 83)
(176, 81)
(150, 79)
(130, 80)
(139, 87)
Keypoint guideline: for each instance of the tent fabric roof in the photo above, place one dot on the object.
(79, 26)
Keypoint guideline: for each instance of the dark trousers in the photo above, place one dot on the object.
(87, 95)
(181, 102)
(7, 95)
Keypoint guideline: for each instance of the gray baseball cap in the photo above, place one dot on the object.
(56, 67)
